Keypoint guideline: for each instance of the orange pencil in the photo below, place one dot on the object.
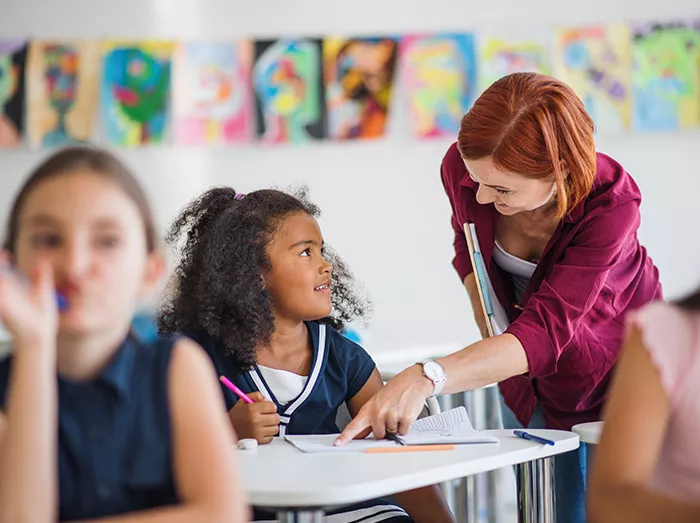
(408, 448)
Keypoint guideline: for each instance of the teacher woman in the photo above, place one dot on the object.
(557, 223)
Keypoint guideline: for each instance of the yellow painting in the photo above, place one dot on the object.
(62, 91)
(597, 62)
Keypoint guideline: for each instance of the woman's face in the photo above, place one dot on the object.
(510, 193)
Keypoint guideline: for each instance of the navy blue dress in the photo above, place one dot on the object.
(114, 435)
(339, 370)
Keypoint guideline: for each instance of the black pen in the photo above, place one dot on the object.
(394, 438)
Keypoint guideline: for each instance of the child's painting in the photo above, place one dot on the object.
(135, 90)
(62, 91)
(211, 93)
(13, 57)
(288, 86)
(666, 76)
(359, 76)
(503, 52)
(440, 78)
(596, 61)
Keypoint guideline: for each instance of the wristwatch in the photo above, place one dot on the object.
(435, 373)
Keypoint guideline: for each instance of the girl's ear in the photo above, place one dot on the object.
(7, 258)
(155, 267)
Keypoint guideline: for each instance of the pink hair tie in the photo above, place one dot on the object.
(239, 196)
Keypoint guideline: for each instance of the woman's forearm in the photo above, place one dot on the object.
(28, 467)
(488, 361)
(634, 504)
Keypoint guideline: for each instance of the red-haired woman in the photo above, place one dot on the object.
(557, 223)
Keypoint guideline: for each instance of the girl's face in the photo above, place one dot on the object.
(510, 193)
(93, 235)
(300, 278)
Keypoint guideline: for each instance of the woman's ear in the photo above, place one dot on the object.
(564, 169)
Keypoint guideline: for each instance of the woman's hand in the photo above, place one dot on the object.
(29, 311)
(394, 408)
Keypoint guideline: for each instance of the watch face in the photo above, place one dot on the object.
(433, 370)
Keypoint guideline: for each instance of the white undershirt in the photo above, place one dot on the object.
(520, 270)
(283, 384)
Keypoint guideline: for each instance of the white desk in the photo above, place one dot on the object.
(301, 486)
(589, 432)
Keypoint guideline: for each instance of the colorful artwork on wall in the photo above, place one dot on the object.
(359, 78)
(212, 101)
(439, 74)
(135, 91)
(503, 52)
(288, 86)
(62, 91)
(666, 76)
(596, 62)
(13, 57)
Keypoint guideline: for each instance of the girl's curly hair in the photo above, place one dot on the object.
(217, 288)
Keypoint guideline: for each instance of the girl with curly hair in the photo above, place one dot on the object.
(257, 288)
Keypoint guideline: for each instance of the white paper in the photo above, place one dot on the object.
(449, 427)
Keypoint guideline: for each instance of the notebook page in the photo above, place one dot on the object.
(444, 422)
(324, 443)
(449, 427)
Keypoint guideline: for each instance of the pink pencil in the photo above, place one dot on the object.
(238, 392)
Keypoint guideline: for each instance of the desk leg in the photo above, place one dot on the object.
(536, 503)
(300, 516)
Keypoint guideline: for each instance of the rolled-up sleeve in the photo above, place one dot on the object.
(461, 261)
(560, 305)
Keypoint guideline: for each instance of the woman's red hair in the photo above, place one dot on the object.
(536, 126)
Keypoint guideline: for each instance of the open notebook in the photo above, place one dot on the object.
(493, 310)
(452, 426)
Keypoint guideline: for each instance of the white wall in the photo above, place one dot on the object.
(383, 204)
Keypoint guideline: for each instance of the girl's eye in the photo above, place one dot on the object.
(501, 191)
(306, 252)
(108, 241)
(46, 240)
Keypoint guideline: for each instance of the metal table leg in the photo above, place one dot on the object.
(474, 499)
(536, 499)
(300, 516)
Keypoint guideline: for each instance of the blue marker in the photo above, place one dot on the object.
(532, 437)
(61, 300)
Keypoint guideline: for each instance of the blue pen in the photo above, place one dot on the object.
(532, 437)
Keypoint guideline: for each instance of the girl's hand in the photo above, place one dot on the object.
(29, 311)
(257, 420)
